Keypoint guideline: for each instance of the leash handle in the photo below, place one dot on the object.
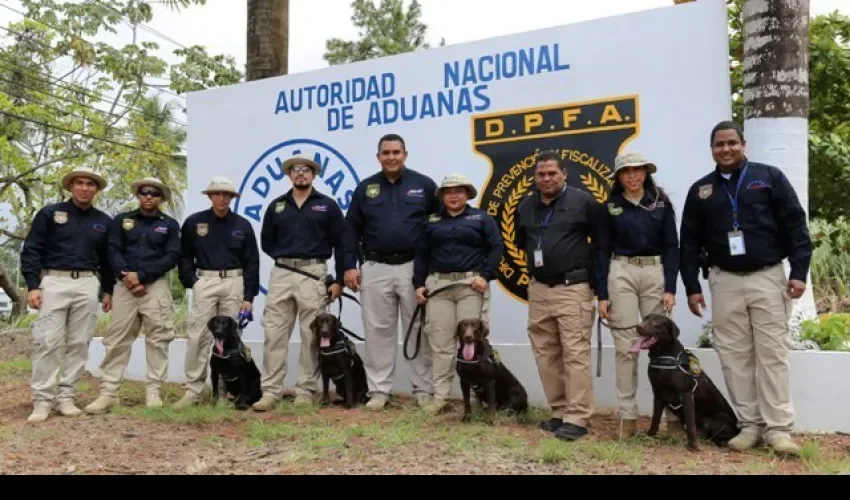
(598, 346)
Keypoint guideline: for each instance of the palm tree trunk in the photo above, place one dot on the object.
(268, 39)
(776, 96)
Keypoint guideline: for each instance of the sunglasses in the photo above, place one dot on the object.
(302, 168)
(150, 192)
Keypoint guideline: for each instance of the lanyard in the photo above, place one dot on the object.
(734, 201)
(543, 226)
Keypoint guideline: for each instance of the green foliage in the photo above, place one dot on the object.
(830, 331)
(385, 30)
(831, 263)
(67, 101)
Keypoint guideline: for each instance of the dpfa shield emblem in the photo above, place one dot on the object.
(202, 229)
(60, 217)
(128, 224)
(586, 135)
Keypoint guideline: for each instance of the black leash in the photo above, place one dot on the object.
(599, 323)
(328, 283)
(420, 311)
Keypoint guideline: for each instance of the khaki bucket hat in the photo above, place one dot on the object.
(83, 172)
(633, 159)
(454, 180)
(301, 160)
(152, 181)
(220, 184)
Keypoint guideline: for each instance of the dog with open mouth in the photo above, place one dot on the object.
(339, 361)
(232, 367)
(679, 383)
(479, 369)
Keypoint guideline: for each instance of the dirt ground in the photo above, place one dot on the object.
(312, 440)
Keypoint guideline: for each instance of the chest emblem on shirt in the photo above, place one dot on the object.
(705, 191)
(202, 229)
(434, 218)
(128, 224)
(279, 206)
(373, 190)
(320, 208)
(614, 209)
(60, 217)
(161, 229)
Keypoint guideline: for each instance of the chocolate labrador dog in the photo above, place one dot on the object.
(339, 361)
(678, 383)
(231, 365)
(480, 370)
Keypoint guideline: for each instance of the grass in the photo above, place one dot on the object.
(15, 368)
(304, 438)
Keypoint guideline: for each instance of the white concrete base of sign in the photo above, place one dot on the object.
(819, 390)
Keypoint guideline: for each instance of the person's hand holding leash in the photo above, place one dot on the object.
(421, 298)
(479, 284)
(669, 301)
(334, 291)
(603, 309)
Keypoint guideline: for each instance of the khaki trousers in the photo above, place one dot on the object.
(634, 291)
(750, 315)
(292, 294)
(386, 292)
(442, 315)
(153, 312)
(61, 335)
(211, 296)
(560, 321)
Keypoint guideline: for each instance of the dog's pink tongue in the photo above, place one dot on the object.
(219, 345)
(325, 342)
(637, 345)
(468, 351)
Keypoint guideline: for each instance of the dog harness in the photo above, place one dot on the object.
(680, 362)
(344, 347)
(242, 350)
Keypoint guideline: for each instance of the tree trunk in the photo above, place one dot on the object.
(11, 290)
(268, 39)
(776, 96)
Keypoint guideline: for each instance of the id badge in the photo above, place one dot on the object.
(538, 258)
(736, 243)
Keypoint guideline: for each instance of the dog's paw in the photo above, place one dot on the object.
(652, 432)
(693, 447)
(325, 402)
(466, 417)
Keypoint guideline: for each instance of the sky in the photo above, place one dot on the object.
(220, 25)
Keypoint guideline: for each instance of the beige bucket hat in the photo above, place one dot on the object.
(220, 184)
(454, 180)
(633, 159)
(83, 172)
(151, 181)
(301, 160)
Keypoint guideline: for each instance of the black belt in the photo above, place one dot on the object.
(568, 278)
(389, 258)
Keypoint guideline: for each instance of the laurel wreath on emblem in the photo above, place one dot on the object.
(508, 225)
